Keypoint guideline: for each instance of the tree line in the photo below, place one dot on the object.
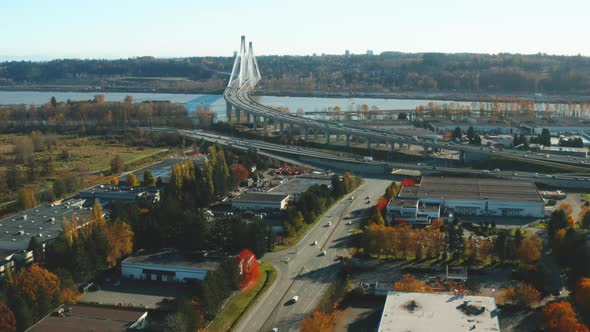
(389, 71)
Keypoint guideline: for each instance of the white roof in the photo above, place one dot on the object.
(428, 312)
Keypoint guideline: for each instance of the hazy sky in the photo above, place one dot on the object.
(42, 29)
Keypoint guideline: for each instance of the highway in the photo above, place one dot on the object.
(240, 98)
(302, 271)
(295, 152)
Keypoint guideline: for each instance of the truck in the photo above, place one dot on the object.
(367, 158)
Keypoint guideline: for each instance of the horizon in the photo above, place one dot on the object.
(66, 29)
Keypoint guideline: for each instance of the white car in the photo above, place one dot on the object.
(294, 299)
(323, 253)
(349, 222)
(329, 223)
(314, 243)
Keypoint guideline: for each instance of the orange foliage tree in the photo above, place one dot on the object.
(561, 317)
(582, 294)
(69, 296)
(530, 249)
(248, 267)
(239, 172)
(318, 322)
(7, 320)
(403, 240)
(409, 283)
(33, 278)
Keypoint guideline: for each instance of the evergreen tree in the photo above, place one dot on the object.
(518, 238)
(148, 179)
(22, 311)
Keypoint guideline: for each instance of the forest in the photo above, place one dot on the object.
(386, 72)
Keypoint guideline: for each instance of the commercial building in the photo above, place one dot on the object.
(298, 185)
(79, 317)
(564, 151)
(166, 266)
(107, 193)
(425, 312)
(260, 201)
(481, 126)
(438, 197)
(43, 222)
(10, 258)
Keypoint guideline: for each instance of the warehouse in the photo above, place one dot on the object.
(296, 186)
(260, 201)
(466, 197)
(166, 266)
(440, 312)
(106, 193)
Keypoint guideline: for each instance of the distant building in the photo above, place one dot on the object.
(107, 193)
(369, 52)
(441, 197)
(166, 266)
(481, 126)
(425, 312)
(347, 53)
(81, 317)
(298, 185)
(565, 151)
(260, 201)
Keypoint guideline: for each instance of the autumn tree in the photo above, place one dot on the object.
(376, 217)
(117, 165)
(239, 173)
(582, 294)
(120, 242)
(26, 198)
(114, 181)
(561, 317)
(527, 295)
(132, 180)
(34, 282)
(23, 150)
(409, 283)
(249, 267)
(530, 249)
(7, 320)
(318, 322)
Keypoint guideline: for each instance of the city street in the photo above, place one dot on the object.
(303, 271)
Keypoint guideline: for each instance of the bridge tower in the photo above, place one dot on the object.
(245, 74)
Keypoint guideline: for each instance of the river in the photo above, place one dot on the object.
(216, 102)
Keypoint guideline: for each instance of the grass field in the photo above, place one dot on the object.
(87, 155)
(585, 197)
(240, 302)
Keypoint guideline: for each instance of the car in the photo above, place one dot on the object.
(349, 222)
(368, 202)
(117, 283)
(323, 253)
(275, 329)
(329, 224)
(294, 299)
(314, 243)
(368, 197)
(496, 170)
(485, 171)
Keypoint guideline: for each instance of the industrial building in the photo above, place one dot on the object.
(260, 201)
(424, 312)
(166, 266)
(81, 317)
(298, 185)
(107, 193)
(43, 222)
(443, 198)
(565, 151)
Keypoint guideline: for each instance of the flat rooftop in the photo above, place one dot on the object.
(473, 188)
(171, 258)
(89, 318)
(260, 197)
(115, 192)
(403, 202)
(425, 312)
(300, 184)
(42, 221)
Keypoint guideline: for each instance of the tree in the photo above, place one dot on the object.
(22, 311)
(59, 188)
(35, 281)
(457, 134)
(117, 165)
(409, 283)
(239, 172)
(7, 319)
(473, 285)
(527, 295)
(148, 179)
(470, 133)
(530, 249)
(120, 242)
(248, 266)
(376, 217)
(319, 321)
(26, 198)
(582, 294)
(114, 181)
(545, 137)
(561, 317)
(132, 180)
(23, 150)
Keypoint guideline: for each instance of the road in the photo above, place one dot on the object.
(302, 271)
(265, 147)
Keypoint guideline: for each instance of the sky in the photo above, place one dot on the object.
(43, 30)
